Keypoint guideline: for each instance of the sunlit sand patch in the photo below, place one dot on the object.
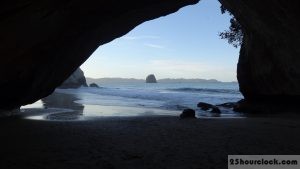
(47, 114)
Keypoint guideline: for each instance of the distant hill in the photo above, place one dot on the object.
(181, 80)
(132, 80)
(114, 80)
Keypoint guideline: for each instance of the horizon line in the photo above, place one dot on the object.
(160, 79)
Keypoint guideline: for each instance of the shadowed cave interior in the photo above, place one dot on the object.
(38, 38)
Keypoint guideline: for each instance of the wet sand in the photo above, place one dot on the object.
(142, 142)
(152, 142)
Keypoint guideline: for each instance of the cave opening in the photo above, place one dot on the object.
(185, 44)
(156, 115)
(183, 50)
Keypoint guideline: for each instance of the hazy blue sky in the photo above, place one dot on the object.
(181, 45)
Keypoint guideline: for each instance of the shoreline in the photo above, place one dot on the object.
(61, 106)
(62, 102)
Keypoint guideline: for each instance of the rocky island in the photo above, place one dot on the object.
(151, 79)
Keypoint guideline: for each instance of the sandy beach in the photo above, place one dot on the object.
(142, 142)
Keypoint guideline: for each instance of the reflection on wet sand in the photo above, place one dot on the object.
(63, 107)
(63, 101)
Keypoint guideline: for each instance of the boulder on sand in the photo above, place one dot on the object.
(187, 113)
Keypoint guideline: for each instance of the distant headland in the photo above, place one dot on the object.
(164, 80)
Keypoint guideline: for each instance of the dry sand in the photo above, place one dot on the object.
(156, 142)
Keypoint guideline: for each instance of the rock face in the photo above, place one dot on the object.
(269, 63)
(151, 79)
(38, 38)
(76, 80)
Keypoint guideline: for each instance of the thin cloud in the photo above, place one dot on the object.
(154, 46)
(179, 65)
(140, 37)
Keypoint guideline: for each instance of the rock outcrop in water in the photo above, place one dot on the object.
(94, 85)
(151, 79)
(38, 39)
(76, 80)
(210, 107)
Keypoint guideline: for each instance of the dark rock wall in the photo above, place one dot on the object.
(269, 62)
(43, 42)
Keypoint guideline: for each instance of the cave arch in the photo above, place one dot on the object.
(39, 38)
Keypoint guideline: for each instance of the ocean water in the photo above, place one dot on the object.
(133, 99)
(171, 96)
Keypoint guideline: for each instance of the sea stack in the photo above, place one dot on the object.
(151, 79)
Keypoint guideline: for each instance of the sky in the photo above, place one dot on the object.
(180, 45)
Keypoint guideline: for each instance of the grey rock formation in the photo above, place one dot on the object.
(151, 79)
(76, 80)
(269, 63)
